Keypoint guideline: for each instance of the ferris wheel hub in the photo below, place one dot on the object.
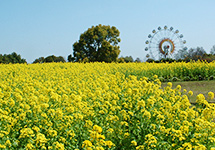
(166, 46)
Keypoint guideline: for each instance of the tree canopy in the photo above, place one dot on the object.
(195, 53)
(99, 43)
(11, 58)
(48, 59)
(212, 50)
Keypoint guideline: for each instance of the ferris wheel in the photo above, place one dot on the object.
(164, 43)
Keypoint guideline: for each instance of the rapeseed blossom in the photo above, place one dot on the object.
(211, 95)
(102, 106)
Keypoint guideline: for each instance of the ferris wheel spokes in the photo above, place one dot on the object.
(164, 42)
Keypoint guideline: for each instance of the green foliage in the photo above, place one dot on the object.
(163, 60)
(128, 59)
(49, 59)
(70, 58)
(137, 60)
(125, 59)
(175, 71)
(39, 60)
(121, 60)
(196, 53)
(11, 58)
(150, 60)
(182, 54)
(99, 43)
(212, 50)
(193, 54)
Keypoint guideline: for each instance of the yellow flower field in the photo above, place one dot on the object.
(96, 106)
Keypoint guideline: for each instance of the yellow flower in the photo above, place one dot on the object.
(147, 114)
(190, 93)
(52, 133)
(133, 143)
(178, 87)
(87, 143)
(211, 95)
(169, 84)
(59, 146)
(110, 130)
(97, 128)
(187, 146)
(88, 123)
(35, 128)
(150, 140)
(126, 134)
(26, 132)
(109, 144)
(155, 76)
(141, 147)
(99, 148)
(41, 138)
(29, 146)
(2, 146)
(8, 143)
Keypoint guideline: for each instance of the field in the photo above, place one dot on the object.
(105, 106)
(197, 87)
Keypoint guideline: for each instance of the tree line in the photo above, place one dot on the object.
(193, 54)
(100, 44)
(11, 58)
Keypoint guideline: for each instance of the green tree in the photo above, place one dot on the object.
(1, 58)
(137, 60)
(212, 50)
(54, 58)
(128, 59)
(99, 43)
(59, 59)
(15, 58)
(39, 60)
(121, 60)
(11, 58)
(195, 53)
(5, 59)
(70, 58)
(49, 59)
(182, 54)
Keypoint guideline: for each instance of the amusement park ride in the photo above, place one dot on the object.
(164, 43)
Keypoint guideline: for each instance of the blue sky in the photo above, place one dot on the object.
(35, 28)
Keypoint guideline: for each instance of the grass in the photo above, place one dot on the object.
(198, 87)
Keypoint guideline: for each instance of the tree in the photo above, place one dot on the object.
(53, 58)
(70, 58)
(59, 59)
(212, 50)
(39, 60)
(182, 53)
(49, 59)
(99, 43)
(125, 59)
(195, 53)
(137, 60)
(128, 59)
(1, 58)
(121, 60)
(150, 60)
(11, 58)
